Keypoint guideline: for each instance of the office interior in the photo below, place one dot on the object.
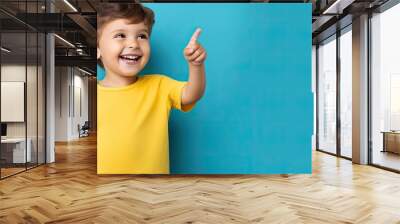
(48, 81)
(375, 88)
(48, 86)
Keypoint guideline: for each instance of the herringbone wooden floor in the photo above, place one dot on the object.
(69, 191)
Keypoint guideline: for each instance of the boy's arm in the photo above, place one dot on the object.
(195, 54)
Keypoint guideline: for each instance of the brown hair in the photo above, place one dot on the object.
(134, 12)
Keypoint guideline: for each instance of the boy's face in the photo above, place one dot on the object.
(123, 48)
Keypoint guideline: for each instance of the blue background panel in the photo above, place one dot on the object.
(256, 116)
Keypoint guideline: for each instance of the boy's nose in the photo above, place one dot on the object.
(133, 44)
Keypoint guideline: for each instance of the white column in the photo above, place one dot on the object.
(360, 90)
(50, 93)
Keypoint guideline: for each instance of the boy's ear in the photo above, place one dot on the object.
(98, 53)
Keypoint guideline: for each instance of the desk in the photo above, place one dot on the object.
(391, 141)
(18, 151)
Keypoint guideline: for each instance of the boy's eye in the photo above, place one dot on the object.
(119, 35)
(143, 36)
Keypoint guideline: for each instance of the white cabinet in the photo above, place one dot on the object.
(18, 149)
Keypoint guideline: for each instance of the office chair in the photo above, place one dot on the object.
(84, 130)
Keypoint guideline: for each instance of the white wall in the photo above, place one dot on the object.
(71, 92)
(15, 72)
(33, 127)
(80, 83)
(61, 103)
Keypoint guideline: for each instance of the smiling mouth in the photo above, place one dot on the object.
(130, 59)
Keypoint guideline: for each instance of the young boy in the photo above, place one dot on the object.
(133, 110)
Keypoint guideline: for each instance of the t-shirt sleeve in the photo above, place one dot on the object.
(174, 90)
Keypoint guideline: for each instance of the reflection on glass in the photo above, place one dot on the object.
(346, 93)
(327, 96)
(386, 89)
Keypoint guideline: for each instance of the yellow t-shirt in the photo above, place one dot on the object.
(132, 125)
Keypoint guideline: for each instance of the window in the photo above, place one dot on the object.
(385, 88)
(346, 92)
(327, 95)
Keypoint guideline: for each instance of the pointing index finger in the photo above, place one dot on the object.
(195, 36)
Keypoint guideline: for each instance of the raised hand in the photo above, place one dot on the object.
(194, 53)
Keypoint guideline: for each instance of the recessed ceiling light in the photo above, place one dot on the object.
(86, 72)
(5, 49)
(337, 7)
(64, 40)
(70, 5)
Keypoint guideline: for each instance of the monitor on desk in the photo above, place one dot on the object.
(3, 130)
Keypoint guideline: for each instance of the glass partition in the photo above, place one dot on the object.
(22, 88)
(327, 95)
(14, 154)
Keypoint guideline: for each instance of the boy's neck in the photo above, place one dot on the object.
(113, 81)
